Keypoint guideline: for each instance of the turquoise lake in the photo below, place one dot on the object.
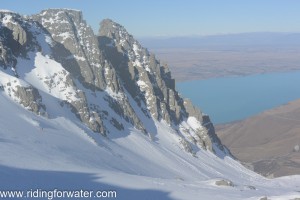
(235, 98)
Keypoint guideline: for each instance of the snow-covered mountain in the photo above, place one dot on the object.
(85, 110)
(109, 82)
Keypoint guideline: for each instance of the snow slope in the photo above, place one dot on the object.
(60, 153)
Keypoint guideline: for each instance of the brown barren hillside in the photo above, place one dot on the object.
(269, 142)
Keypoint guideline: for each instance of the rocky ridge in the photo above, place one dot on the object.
(108, 81)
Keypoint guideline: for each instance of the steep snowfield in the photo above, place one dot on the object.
(37, 152)
(46, 75)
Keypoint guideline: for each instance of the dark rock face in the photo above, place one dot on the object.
(108, 80)
(16, 34)
(151, 85)
(145, 79)
(31, 99)
(6, 57)
(12, 38)
(75, 45)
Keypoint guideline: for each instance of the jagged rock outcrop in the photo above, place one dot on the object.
(76, 48)
(12, 35)
(145, 79)
(6, 57)
(151, 85)
(75, 45)
(30, 98)
(24, 94)
(109, 82)
(15, 35)
(148, 81)
(18, 33)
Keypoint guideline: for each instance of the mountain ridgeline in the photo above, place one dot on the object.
(109, 82)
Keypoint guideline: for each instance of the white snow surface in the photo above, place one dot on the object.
(47, 75)
(60, 153)
(194, 123)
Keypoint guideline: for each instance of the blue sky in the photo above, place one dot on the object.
(178, 17)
